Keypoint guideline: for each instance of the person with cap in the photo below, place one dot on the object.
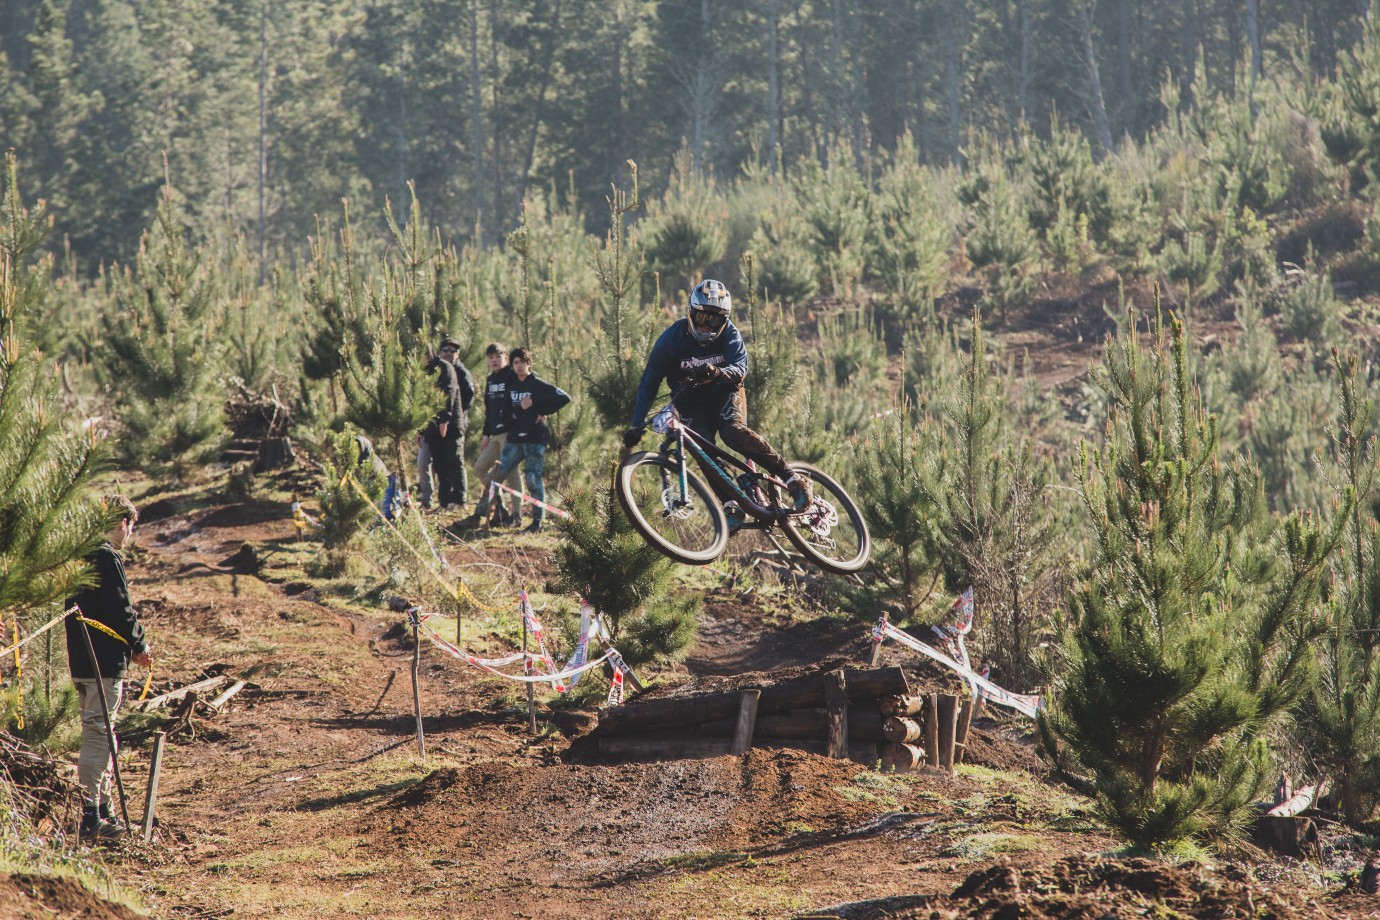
(117, 638)
(442, 443)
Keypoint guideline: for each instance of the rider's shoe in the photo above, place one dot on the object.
(735, 516)
(799, 491)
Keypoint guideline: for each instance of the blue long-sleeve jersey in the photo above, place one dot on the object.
(676, 357)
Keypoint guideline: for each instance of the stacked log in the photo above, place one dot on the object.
(867, 715)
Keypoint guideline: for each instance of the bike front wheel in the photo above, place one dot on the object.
(831, 533)
(691, 529)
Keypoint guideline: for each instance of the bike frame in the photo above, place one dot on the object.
(716, 458)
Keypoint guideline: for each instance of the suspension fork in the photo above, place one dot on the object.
(684, 478)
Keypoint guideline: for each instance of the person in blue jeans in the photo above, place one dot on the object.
(532, 400)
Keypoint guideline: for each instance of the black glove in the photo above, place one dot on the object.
(707, 373)
(632, 436)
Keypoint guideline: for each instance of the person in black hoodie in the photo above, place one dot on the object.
(443, 439)
(497, 414)
(530, 401)
(106, 602)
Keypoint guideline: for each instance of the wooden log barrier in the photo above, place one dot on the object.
(902, 758)
(902, 705)
(864, 724)
(948, 725)
(804, 692)
(901, 730)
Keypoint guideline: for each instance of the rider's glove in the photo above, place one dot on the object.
(708, 373)
(632, 436)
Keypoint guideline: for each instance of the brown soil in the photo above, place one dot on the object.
(43, 897)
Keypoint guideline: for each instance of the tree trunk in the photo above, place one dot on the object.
(773, 88)
(1104, 133)
(1253, 36)
(700, 101)
(548, 55)
(263, 141)
(1127, 108)
(951, 79)
(1190, 52)
(476, 121)
(1023, 85)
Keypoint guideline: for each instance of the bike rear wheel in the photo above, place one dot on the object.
(693, 531)
(832, 533)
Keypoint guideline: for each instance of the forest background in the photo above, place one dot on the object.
(303, 199)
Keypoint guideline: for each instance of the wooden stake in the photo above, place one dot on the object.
(965, 722)
(151, 797)
(948, 723)
(747, 721)
(932, 731)
(416, 684)
(109, 729)
(836, 705)
(531, 687)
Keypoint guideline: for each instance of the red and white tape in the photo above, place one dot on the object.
(496, 485)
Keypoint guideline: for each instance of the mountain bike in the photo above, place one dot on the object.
(679, 514)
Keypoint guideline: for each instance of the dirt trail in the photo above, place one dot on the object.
(309, 801)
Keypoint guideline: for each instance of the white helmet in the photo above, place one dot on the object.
(709, 306)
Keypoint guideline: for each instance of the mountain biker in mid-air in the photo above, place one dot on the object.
(705, 351)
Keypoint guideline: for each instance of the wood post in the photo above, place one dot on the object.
(948, 723)
(836, 705)
(965, 722)
(416, 688)
(747, 721)
(932, 731)
(151, 797)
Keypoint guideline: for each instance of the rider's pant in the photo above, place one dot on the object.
(726, 417)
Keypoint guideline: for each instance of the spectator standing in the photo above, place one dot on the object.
(497, 414)
(441, 443)
(106, 602)
(530, 401)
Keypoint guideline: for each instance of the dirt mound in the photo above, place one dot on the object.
(30, 897)
(1082, 887)
(656, 811)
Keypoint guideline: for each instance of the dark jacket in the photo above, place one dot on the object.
(678, 356)
(455, 382)
(524, 428)
(497, 406)
(106, 601)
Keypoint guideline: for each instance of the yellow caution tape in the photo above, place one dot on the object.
(103, 628)
(18, 676)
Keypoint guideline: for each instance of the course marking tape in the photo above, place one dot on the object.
(495, 484)
(1026, 704)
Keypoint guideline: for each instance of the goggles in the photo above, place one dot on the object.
(708, 320)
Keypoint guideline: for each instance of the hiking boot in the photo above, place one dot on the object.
(735, 517)
(469, 523)
(799, 491)
(98, 827)
(505, 518)
(534, 527)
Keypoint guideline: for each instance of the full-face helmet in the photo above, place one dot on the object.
(709, 306)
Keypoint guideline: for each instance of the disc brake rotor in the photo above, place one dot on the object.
(670, 501)
(822, 519)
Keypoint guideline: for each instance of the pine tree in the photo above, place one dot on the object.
(49, 518)
(896, 484)
(604, 560)
(1190, 631)
(161, 349)
(994, 531)
(613, 379)
(1341, 717)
